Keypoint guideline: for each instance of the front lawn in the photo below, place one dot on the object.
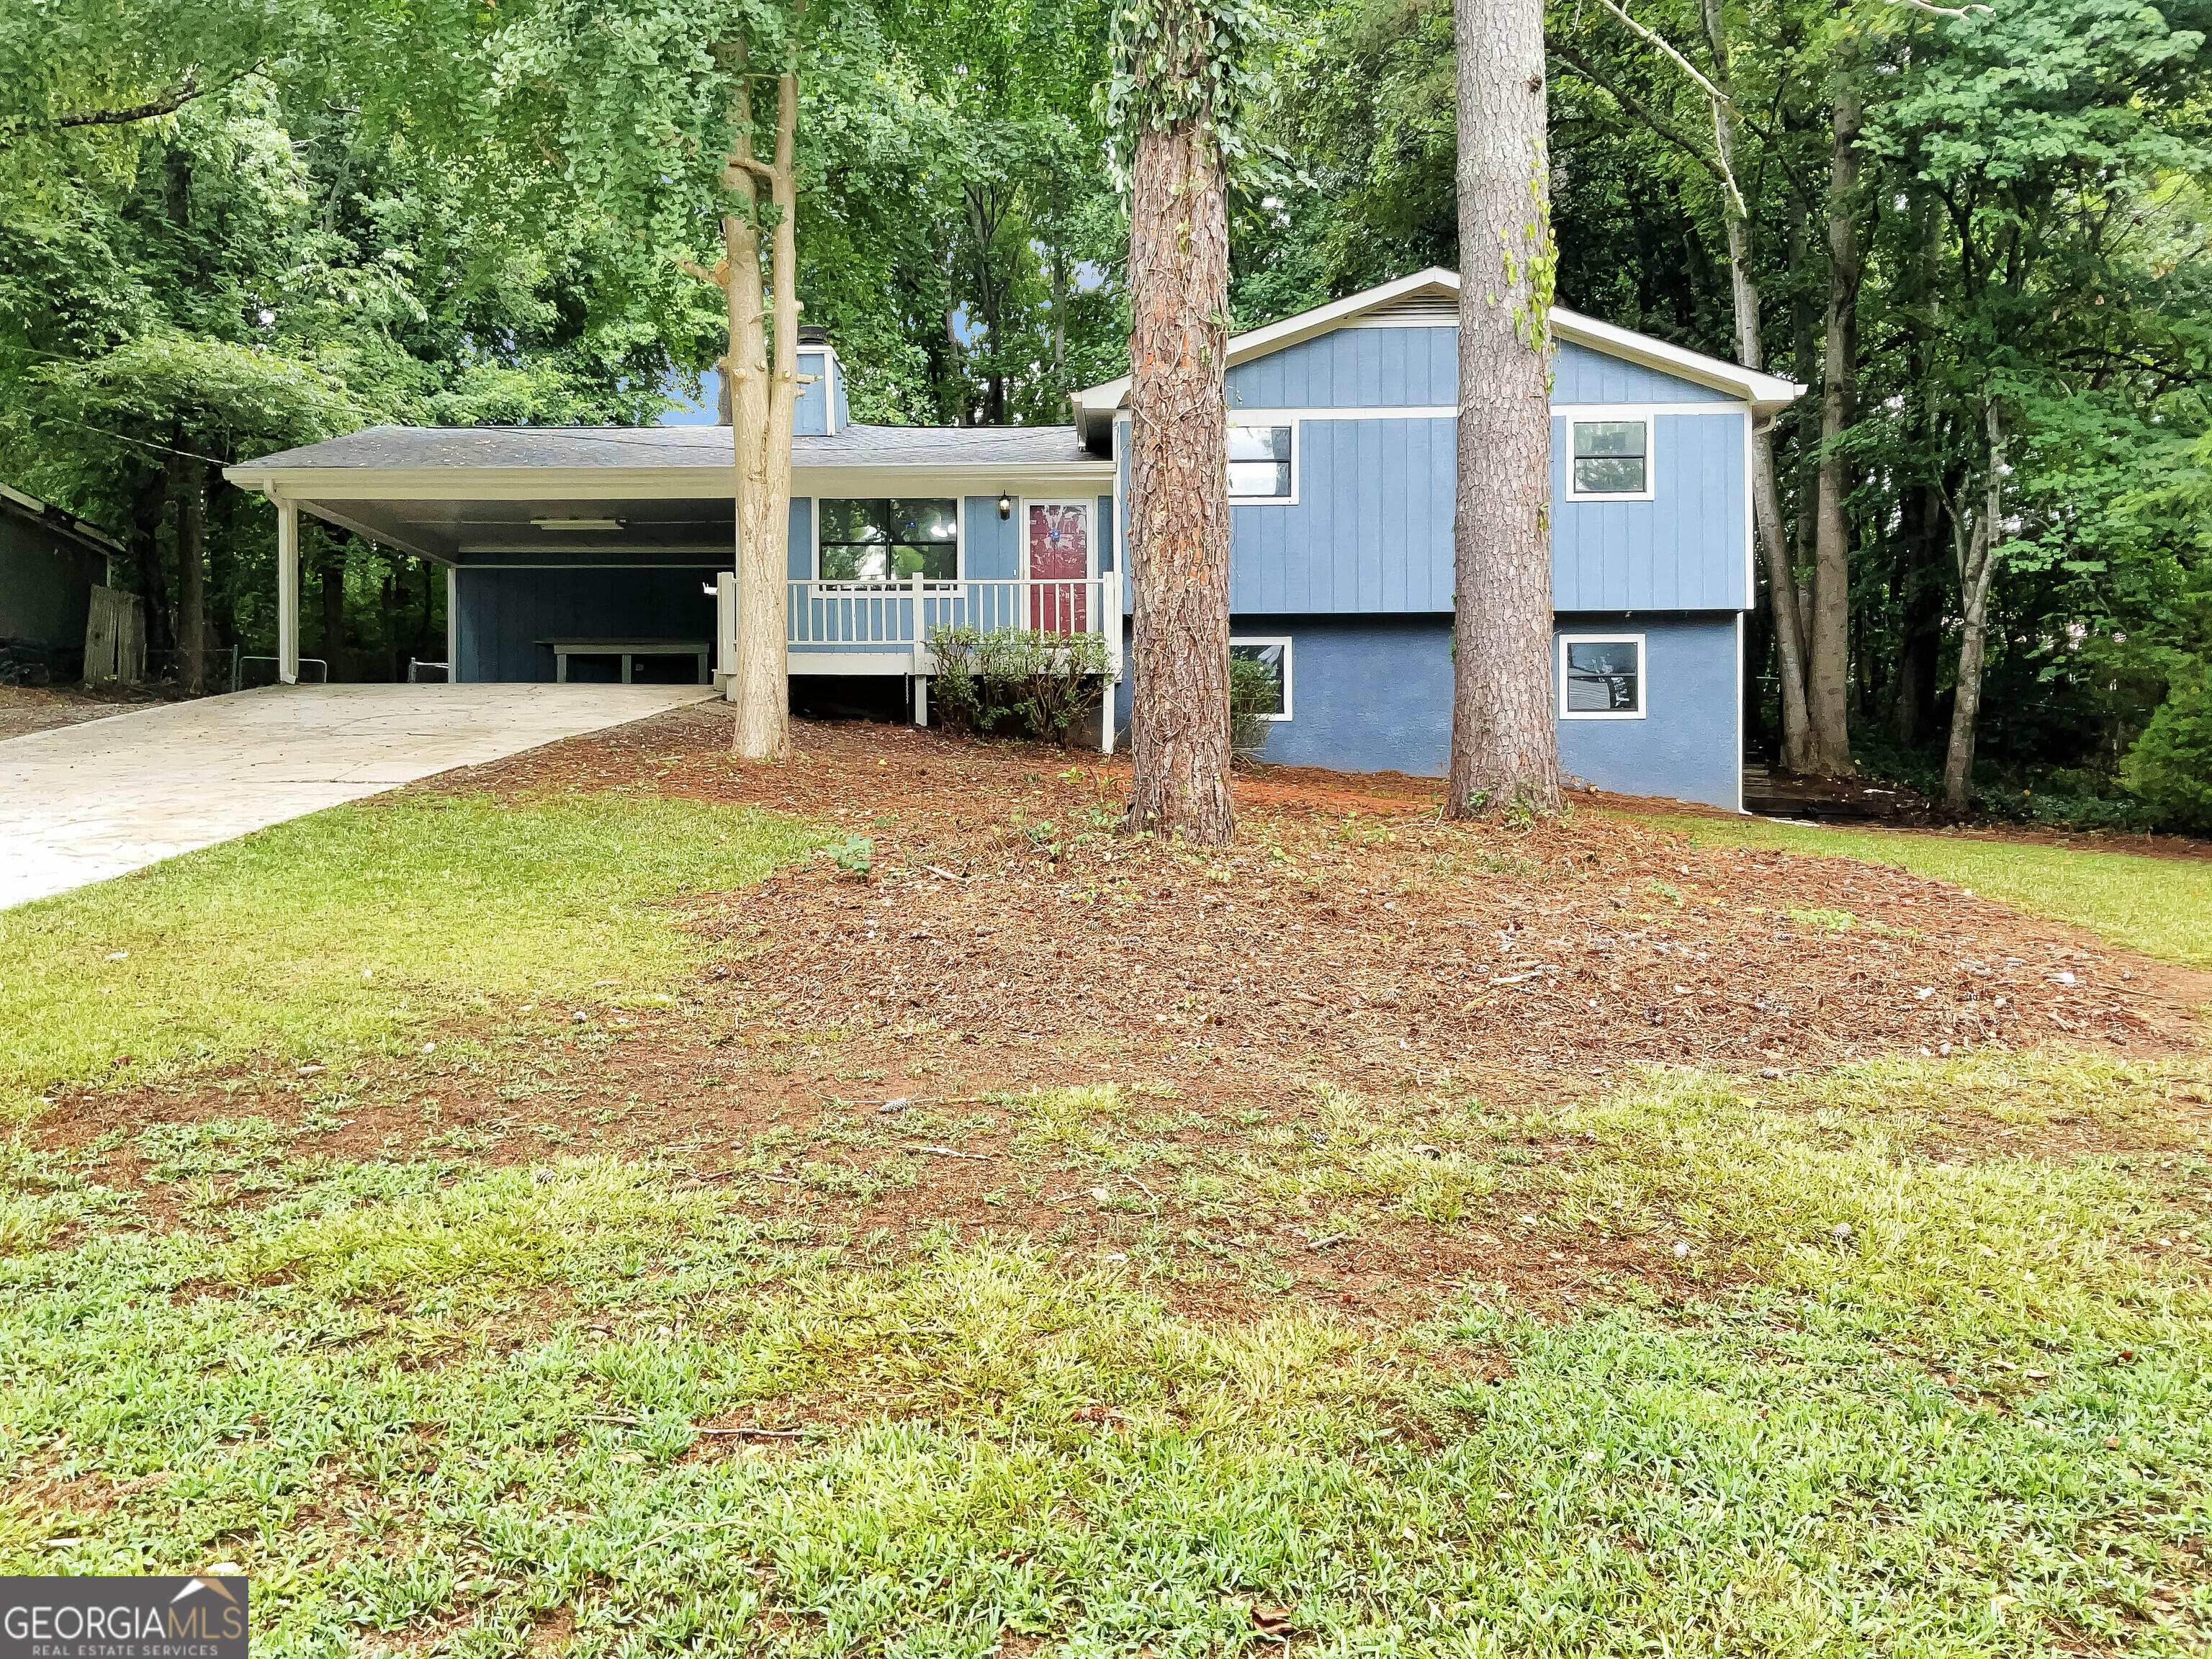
(361, 926)
(2161, 906)
(1392, 1237)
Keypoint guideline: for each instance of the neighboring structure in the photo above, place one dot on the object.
(50, 562)
(1341, 473)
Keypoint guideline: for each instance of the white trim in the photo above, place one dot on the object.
(288, 594)
(1622, 413)
(1271, 417)
(1739, 711)
(1643, 678)
(1768, 392)
(1750, 517)
(1602, 411)
(1289, 647)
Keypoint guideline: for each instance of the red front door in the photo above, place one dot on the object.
(1060, 556)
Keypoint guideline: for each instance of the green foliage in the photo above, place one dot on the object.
(1181, 62)
(855, 856)
(2171, 764)
(1009, 680)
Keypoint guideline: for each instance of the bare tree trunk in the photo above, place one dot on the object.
(387, 617)
(1828, 747)
(762, 410)
(187, 487)
(1504, 746)
(1179, 485)
(1765, 495)
(1977, 554)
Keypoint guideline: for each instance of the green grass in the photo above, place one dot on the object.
(2160, 907)
(434, 1406)
(354, 927)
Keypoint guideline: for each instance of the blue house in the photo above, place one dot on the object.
(1342, 462)
(605, 553)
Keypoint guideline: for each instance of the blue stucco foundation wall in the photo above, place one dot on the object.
(1374, 695)
(503, 614)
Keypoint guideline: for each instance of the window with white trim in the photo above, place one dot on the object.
(1273, 657)
(1259, 462)
(1611, 457)
(1602, 676)
(888, 541)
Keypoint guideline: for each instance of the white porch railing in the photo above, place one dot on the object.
(880, 618)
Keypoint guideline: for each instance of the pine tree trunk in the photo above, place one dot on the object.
(1179, 487)
(185, 485)
(1504, 746)
(1977, 568)
(1828, 746)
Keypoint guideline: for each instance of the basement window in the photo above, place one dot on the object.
(1273, 656)
(1602, 676)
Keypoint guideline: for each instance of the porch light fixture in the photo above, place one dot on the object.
(575, 524)
(1006, 505)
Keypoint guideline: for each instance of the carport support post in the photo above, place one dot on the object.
(453, 624)
(288, 593)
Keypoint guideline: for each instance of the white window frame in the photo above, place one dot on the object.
(1643, 678)
(1290, 647)
(959, 547)
(1274, 418)
(1588, 413)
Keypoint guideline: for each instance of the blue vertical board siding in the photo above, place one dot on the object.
(504, 613)
(799, 546)
(837, 394)
(1684, 549)
(1352, 368)
(1580, 375)
(1374, 695)
(810, 409)
(1104, 518)
(1688, 747)
(994, 547)
(1370, 530)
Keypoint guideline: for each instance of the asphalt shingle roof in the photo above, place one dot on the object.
(396, 446)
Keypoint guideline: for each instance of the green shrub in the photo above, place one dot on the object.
(2171, 765)
(1016, 680)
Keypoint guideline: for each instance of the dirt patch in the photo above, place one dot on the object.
(26, 709)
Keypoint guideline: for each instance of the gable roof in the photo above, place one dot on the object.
(1425, 294)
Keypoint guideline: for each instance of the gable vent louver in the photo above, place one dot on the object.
(1417, 311)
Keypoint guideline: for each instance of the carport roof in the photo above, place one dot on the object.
(407, 447)
(631, 496)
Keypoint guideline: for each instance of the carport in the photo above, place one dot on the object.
(616, 533)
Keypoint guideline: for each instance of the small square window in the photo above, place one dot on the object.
(1259, 462)
(1264, 690)
(1612, 458)
(1601, 679)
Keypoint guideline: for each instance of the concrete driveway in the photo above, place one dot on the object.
(83, 803)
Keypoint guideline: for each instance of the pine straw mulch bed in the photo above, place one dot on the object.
(1348, 930)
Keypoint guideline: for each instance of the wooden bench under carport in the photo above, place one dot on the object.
(628, 651)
